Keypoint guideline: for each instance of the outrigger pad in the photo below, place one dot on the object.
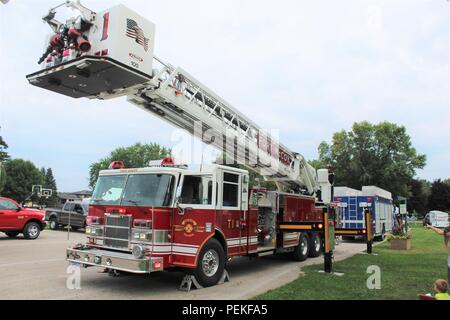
(190, 281)
(87, 76)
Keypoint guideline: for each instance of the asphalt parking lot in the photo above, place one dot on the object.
(37, 270)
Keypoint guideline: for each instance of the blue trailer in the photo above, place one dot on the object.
(351, 204)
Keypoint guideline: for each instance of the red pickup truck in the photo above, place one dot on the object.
(15, 219)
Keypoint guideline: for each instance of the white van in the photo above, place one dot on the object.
(437, 219)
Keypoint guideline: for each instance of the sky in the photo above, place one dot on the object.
(306, 68)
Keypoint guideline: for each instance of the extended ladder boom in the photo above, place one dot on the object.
(177, 97)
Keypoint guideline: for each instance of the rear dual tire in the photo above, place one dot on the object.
(301, 251)
(315, 246)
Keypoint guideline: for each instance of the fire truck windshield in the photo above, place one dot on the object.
(143, 190)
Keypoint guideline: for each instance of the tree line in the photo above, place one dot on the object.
(18, 176)
(382, 155)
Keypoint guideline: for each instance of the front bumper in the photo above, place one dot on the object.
(90, 257)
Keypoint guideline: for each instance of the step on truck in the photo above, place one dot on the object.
(166, 215)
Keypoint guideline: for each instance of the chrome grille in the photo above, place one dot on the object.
(117, 231)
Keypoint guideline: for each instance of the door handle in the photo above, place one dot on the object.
(182, 211)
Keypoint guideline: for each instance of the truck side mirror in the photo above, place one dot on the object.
(19, 208)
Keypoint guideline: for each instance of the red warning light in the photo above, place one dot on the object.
(169, 161)
(117, 165)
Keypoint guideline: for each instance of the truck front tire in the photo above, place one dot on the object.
(53, 223)
(210, 264)
(32, 230)
(302, 250)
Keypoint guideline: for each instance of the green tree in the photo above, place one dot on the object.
(420, 191)
(2, 177)
(380, 155)
(21, 177)
(3, 146)
(439, 198)
(256, 180)
(136, 156)
(3, 157)
(49, 183)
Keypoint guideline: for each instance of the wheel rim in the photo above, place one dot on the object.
(317, 244)
(210, 263)
(304, 246)
(53, 224)
(33, 231)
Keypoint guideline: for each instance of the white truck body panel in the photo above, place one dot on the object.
(376, 191)
(128, 37)
(439, 219)
(346, 192)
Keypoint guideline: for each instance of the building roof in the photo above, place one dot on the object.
(83, 193)
(69, 196)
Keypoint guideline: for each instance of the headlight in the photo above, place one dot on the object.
(139, 235)
(138, 251)
(94, 231)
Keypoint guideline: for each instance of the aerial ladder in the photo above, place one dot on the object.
(110, 55)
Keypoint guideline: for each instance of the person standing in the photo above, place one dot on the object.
(446, 233)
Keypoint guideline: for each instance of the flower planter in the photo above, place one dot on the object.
(401, 244)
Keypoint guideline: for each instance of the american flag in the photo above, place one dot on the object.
(135, 32)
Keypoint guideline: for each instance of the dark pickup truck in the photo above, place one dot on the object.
(73, 214)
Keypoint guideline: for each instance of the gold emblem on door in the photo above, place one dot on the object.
(189, 227)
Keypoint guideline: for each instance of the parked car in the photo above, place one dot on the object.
(437, 219)
(15, 219)
(73, 213)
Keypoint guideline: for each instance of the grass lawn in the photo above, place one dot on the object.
(404, 274)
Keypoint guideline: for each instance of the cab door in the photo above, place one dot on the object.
(77, 217)
(230, 216)
(65, 213)
(194, 216)
(9, 215)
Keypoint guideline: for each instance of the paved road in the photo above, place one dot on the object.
(37, 270)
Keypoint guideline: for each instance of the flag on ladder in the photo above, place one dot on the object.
(136, 33)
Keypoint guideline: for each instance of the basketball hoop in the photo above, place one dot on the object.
(47, 193)
(37, 190)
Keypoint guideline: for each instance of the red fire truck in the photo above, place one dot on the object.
(144, 220)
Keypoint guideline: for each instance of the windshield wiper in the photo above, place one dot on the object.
(135, 202)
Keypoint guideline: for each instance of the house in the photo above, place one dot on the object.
(73, 196)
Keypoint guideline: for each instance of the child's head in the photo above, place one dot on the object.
(441, 286)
